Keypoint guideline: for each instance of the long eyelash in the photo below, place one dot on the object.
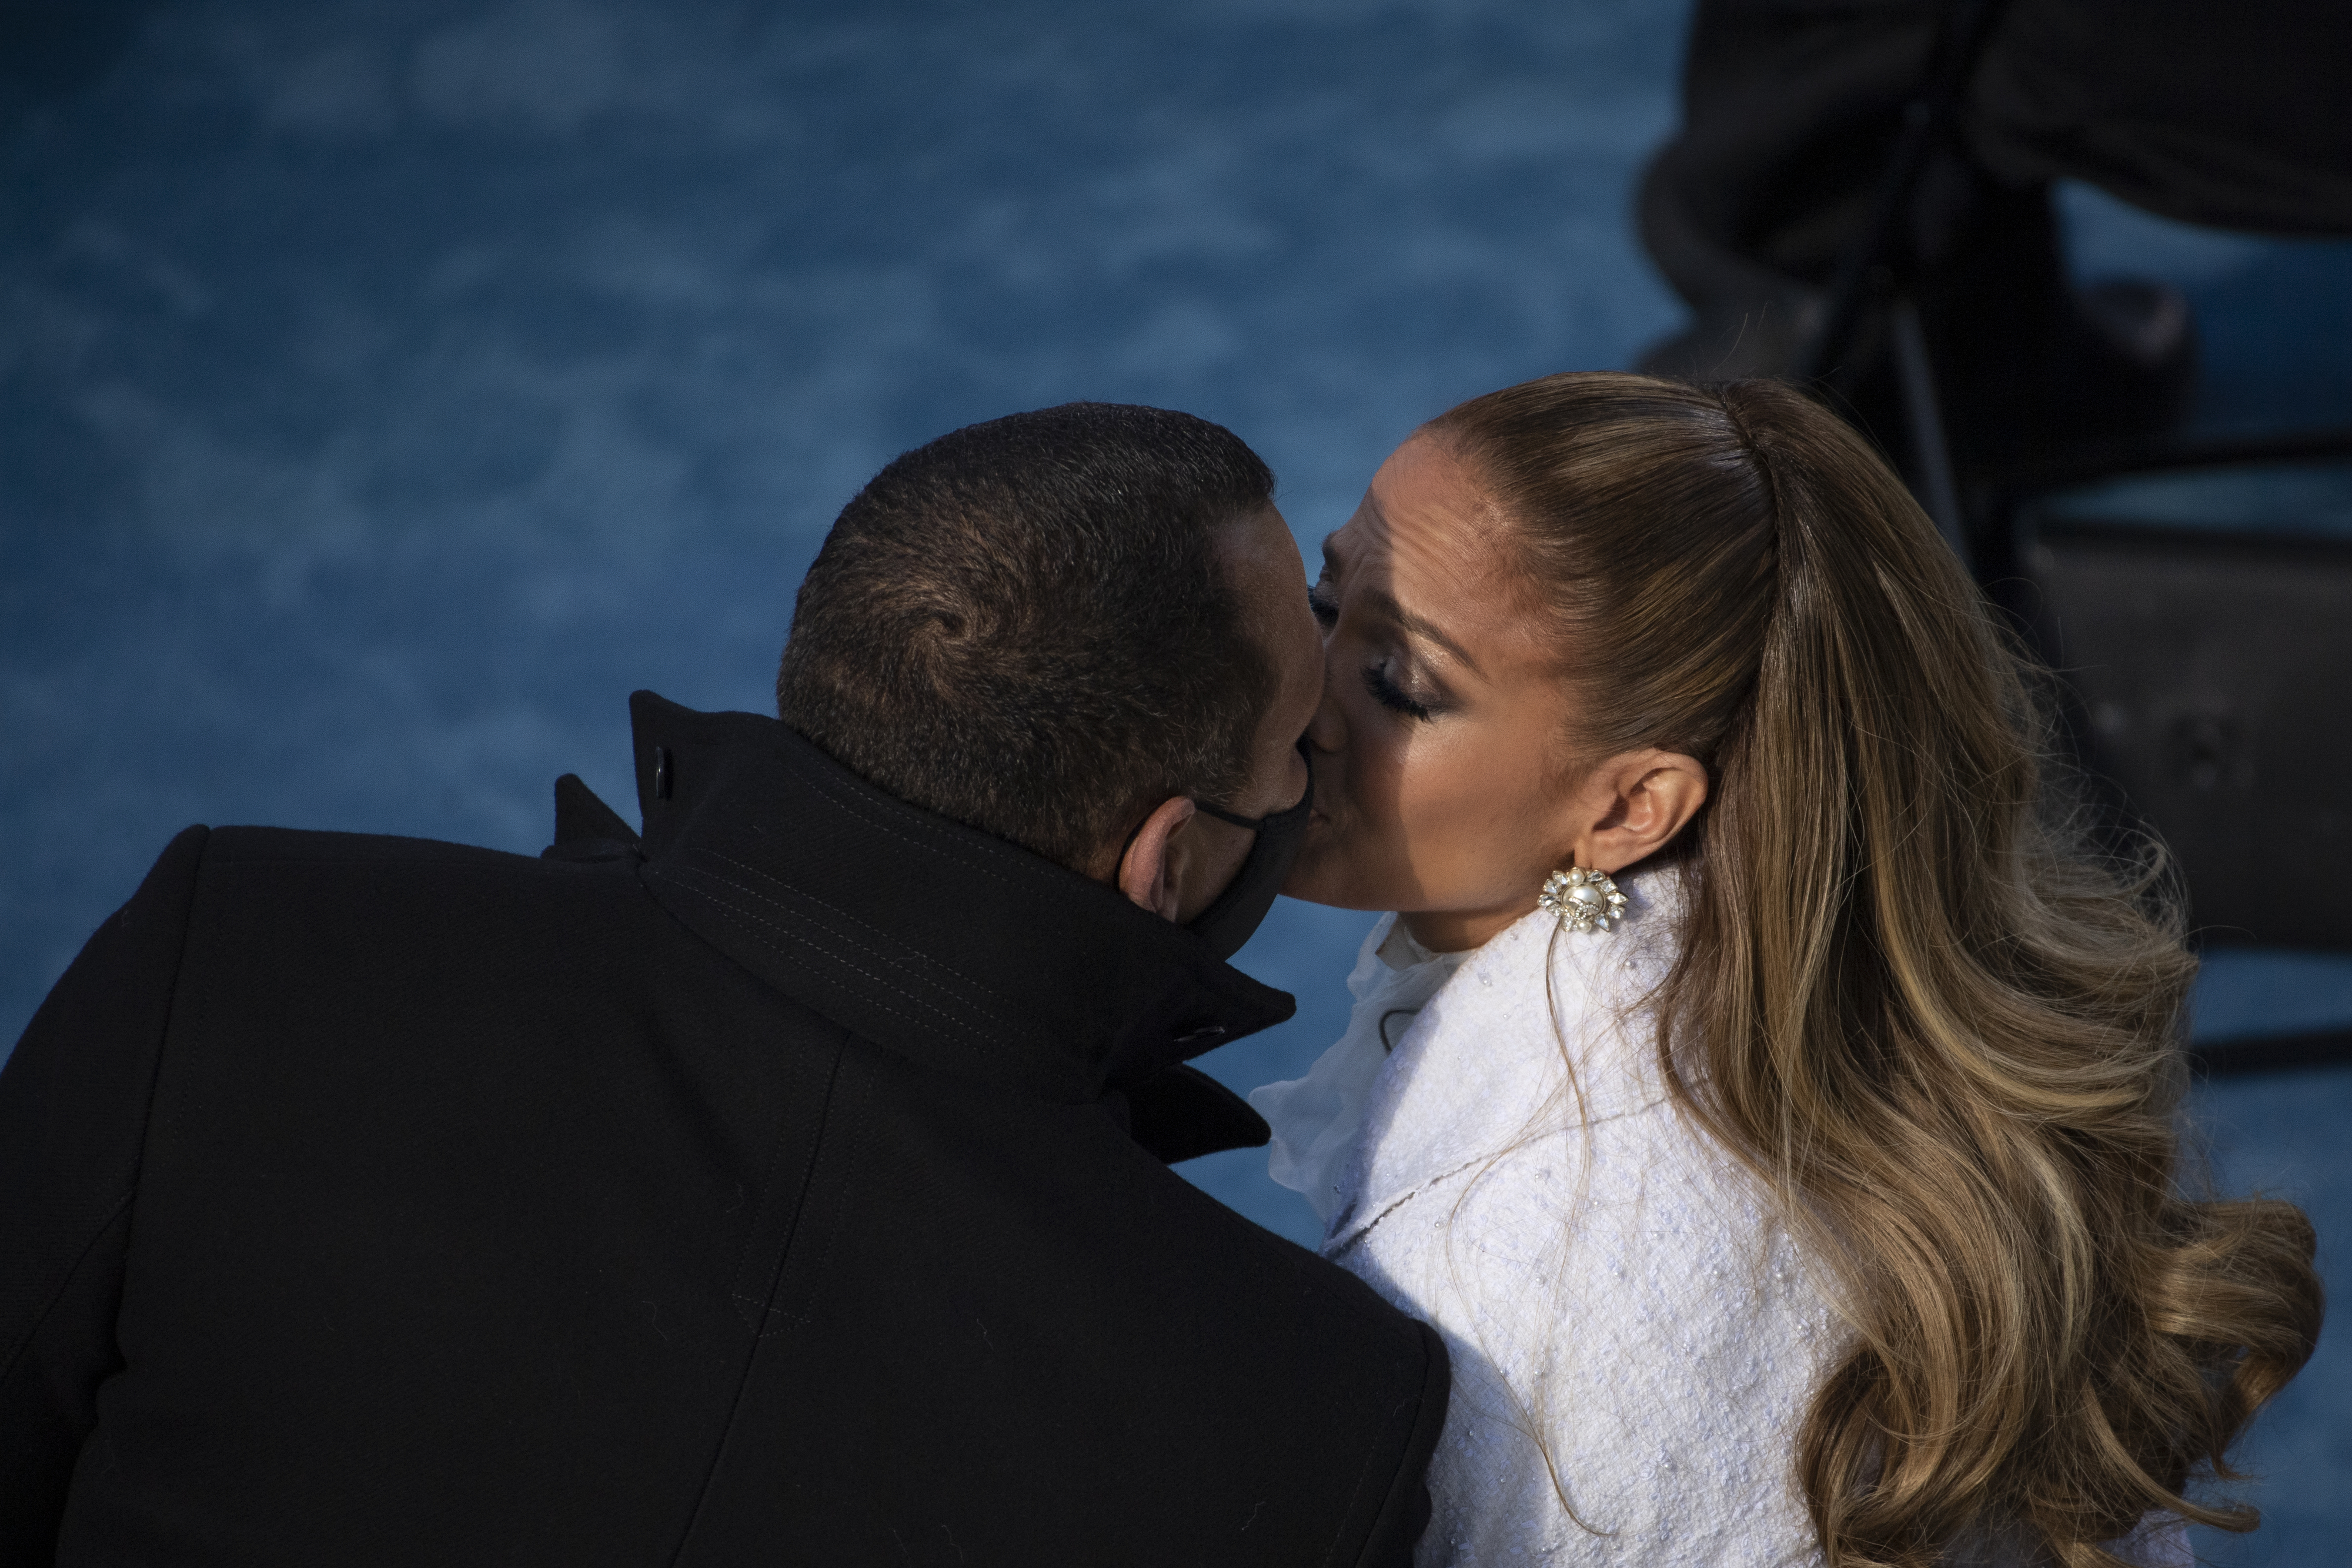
(1325, 609)
(1389, 695)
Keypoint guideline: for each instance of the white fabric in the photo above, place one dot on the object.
(1602, 1272)
(1316, 1118)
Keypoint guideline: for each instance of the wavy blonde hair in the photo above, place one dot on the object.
(1943, 1032)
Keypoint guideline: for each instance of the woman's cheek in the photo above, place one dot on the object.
(1386, 819)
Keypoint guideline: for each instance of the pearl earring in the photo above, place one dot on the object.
(1585, 900)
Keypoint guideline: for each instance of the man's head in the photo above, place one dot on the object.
(1065, 628)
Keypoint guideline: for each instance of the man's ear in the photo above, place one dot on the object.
(1143, 872)
(1634, 804)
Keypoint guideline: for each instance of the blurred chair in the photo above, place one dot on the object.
(2202, 622)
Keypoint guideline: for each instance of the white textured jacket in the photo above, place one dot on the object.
(1633, 1338)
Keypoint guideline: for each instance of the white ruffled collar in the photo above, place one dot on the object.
(1315, 1119)
(1486, 1062)
(1465, 1042)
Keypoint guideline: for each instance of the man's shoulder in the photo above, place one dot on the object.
(296, 847)
(1279, 1270)
(1337, 1331)
(999, 1288)
(1301, 1376)
(1079, 1210)
(254, 872)
(267, 901)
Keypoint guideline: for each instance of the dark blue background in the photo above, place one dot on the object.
(386, 391)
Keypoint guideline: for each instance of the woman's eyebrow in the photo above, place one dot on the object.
(1382, 604)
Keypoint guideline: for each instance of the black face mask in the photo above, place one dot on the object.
(1234, 914)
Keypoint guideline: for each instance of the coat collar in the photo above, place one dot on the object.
(1542, 1033)
(952, 948)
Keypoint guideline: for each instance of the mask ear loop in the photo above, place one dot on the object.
(1254, 824)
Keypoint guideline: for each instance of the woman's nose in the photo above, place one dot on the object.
(1327, 730)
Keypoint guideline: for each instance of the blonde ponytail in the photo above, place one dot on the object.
(1937, 1026)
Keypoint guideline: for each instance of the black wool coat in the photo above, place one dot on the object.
(788, 1187)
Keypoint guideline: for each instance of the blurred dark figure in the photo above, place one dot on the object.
(1859, 199)
(2230, 116)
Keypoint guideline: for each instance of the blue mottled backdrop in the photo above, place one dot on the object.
(387, 390)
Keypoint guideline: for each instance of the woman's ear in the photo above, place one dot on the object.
(1633, 805)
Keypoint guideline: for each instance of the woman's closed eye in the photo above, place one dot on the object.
(1324, 607)
(1383, 686)
(1389, 695)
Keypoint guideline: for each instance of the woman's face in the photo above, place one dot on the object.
(1444, 786)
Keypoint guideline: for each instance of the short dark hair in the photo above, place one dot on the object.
(1026, 625)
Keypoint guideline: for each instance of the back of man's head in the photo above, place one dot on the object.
(1026, 625)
